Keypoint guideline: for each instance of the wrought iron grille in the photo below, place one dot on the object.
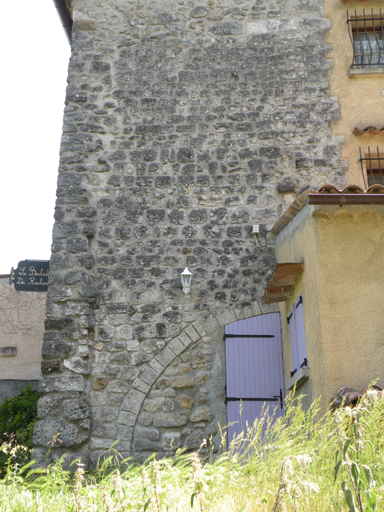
(372, 167)
(366, 32)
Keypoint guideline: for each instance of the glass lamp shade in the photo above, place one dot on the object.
(186, 277)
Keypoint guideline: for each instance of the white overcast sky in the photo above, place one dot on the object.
(35, 54)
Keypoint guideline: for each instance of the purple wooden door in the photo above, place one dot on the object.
(254, 369)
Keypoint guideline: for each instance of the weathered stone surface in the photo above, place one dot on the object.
(146, 444)
(51, 367)
(195, 440)
(76, 409)
(201, 414)
(183, 127)
(170, 420)
(62, 383)
(104, 429)
(46, 430)
(187, 381)
(171, 440)
(77, 365)
(100, 383)
(48, 407)
(148, 433)
(186, 401)
(145, 419)
(58, 349)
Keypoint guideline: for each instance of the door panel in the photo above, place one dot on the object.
(254, 369)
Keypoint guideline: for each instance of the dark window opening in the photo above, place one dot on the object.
(366, 31)
(372, 167)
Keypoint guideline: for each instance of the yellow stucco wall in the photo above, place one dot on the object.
(343, 286)
(361, 98)
(22, 317)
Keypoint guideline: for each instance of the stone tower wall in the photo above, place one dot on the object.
(185, 124)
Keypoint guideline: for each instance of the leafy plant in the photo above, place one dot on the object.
(358, 485)
(17, 419)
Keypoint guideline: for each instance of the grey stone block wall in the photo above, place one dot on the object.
(185, 124)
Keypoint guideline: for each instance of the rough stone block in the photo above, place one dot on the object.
(61, 383)
(186, 381)
(201, 414)
(77, 365)
(125, 333)
(141, 386)
(165, 357)
(176, 346)
(148, 433)
(146, 445)
(127, 418)
(149, 376)
(57, 349)
(118, 386)
(48, 407)
(104, 333)
(195, 440)
(46, 430)
(186, 401)
(192, 333)
(76, 409)
(170, 420)
(185, 339)
(103, 429)
(156, 366)
(226, 316)
(247, 309)
(171, 440)
(125, 433)
(100, 383)
(101, 442)
(133, 401)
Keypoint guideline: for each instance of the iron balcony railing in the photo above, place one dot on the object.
(372, 167)
(366, 32)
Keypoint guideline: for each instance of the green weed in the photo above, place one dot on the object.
(298, 463)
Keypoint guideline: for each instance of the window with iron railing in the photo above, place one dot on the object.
(372, 167)
(366, 31)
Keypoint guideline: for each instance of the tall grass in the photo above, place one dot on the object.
(297, 463)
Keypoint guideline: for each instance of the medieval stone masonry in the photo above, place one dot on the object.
(185, 124)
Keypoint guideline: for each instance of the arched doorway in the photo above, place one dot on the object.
(254, 370)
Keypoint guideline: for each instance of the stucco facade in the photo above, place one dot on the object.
(341, 249)
(22, 316)
(360, 92)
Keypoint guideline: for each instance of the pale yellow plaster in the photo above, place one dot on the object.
(342, 286)
(361, 98)
(22, 317)
(297, 244)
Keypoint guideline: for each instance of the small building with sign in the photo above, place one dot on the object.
(22, 315)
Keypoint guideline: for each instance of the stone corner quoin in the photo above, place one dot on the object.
(184, 125)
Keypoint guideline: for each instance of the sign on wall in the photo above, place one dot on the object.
(30, 276)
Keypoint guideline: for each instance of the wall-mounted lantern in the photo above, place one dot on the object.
(186, 277)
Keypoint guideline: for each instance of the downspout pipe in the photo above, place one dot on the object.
(65, 17)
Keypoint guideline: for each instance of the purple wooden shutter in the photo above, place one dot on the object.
(300, 331)
(254, 369)
(293, 336)
(297, 333)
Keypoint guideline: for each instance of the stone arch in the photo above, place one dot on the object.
(208, 326)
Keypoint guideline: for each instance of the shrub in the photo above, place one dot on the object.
(17, 419)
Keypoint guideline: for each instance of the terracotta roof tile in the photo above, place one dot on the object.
(329, 194)
(351, 189)
(369, 131)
